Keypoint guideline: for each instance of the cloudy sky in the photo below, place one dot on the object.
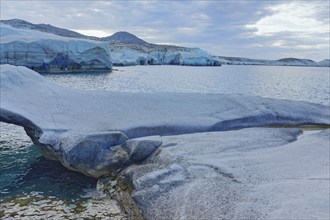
(257, 29)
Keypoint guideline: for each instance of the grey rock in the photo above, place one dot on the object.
(213, 175)
(97, 154)
(93, 132)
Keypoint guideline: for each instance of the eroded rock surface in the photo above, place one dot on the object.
(168, 150)
(254, 173)
(92, 131)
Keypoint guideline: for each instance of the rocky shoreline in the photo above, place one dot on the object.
(172, 155)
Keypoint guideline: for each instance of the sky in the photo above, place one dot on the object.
(264, 29)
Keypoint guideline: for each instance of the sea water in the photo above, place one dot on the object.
(309, 84)
(31, 185)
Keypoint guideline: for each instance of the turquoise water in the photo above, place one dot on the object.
(32, 187)
(26, 176)
(23, 169)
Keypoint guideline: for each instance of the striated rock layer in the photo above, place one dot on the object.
(46, 52)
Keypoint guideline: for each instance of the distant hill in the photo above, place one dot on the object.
(297, 61)
(125, 37)
(21, 24)
(118, 37)
(17, 23)
(325, 62)
(281, 62)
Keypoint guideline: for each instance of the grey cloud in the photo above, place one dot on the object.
(216, 25)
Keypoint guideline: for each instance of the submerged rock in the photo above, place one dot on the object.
(39, 207)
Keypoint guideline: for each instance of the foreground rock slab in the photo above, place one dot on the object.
(254, 173)
(99, 133)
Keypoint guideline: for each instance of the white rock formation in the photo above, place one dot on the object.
(253, 173)
(72, 125)
(150, 54)
(46, 52)
(50, 49)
